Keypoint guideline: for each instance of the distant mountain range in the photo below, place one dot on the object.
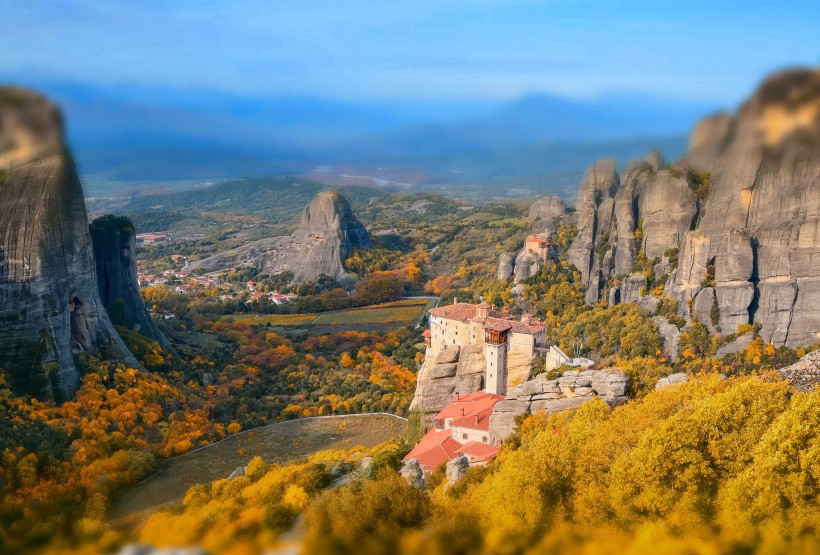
(124, 133)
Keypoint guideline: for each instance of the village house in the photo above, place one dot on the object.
(501, 334)
(151, 238)
(461, 429)
(537, 246)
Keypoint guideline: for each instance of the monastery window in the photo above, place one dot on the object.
(491, 364)
(484, 439)
(454, 341)
(463, 436)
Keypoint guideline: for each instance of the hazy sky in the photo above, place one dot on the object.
(709, 50)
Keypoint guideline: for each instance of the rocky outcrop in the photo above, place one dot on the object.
(670, 336)
(326, 235)
(743, 207)
(762, 216)
(50, 309)
(543, 213)
(673, 379)
(805, 373)
(594, 207)
(412, 473)
(115, 244)
(505, 266)
(456, 470)
(570, 391)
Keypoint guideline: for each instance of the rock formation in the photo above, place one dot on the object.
(543, 213)
(570, 391)
(505, 266)
(115, 244)
(742, 207)
(805, 373)
(326, 235)
(50, 309)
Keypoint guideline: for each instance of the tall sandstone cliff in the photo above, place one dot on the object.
(50, 310)
(326, 235)
(757, 224)
(115, 247)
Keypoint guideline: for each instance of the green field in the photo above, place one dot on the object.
(405, 311)
(281, 443)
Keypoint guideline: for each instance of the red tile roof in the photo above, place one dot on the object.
(479, 452)
(478, 420)
(472, 403)
(436, 447)
(496, 320)
(533, 239)
(426, 333)
(463, 312)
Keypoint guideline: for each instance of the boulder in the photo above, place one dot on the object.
(412, 473)
(671, 380)
(456, 470)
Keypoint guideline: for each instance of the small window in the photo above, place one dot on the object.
(491, 364)
(484, 439)
(463, 436)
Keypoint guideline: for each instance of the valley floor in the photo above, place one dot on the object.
(282, 442)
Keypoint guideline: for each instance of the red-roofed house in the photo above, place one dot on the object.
(536, 245)
(462, 428)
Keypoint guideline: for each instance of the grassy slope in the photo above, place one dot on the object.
(281, 442)
(400, 312)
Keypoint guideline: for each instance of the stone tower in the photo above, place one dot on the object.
(495, 353)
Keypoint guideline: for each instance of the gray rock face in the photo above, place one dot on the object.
(670, 335)
(526, 265)
(735, 346)
(50, 309)
(115, 244)
(326, 235)
(451, 371)
(632, 287)
(544, 211)
(702, 307)
(658, 200)
(762, 216)
(411, 471)
(594, 207)
(505, 266)
(759, 224)
(570, 391)
(805, 373)
(456, 470)
(671, 380)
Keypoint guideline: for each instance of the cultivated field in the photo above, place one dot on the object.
(405, 311)
(281, 442)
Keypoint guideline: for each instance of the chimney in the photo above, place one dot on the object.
(455, 300)
(462, 411)
(476, 418)
(525, 318)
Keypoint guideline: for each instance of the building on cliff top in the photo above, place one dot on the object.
(462, 429)
(502, 335)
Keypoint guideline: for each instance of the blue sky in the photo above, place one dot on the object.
(712, 51)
